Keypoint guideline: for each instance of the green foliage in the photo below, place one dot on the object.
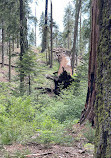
(38, 114)
(89, 133)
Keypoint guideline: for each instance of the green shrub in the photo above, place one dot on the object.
(89, 133)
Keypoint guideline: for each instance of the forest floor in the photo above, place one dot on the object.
(80, 148)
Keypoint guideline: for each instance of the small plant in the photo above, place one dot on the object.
(89, 133)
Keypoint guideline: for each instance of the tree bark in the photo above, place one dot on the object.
(22, 45)
(18, 41)
(29, 85)
(2, 44)
(51, 39)
(35, 29)
(98, 101)
(9, 60)
(78, 6)
(44, 43)
(13, 44)
(103, 96)
(88, 112)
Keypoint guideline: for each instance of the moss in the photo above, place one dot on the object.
(102, 105)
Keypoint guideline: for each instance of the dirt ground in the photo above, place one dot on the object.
(34, 150)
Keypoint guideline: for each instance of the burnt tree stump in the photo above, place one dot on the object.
(62, 82)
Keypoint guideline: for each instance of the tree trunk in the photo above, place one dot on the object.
(9, 60)
(68, 32)
(18, 41)
(35, 29)
(29, 85)
(13, 44)
(2, 44)
(78, 6)
(22, 45)
(51, 39)
(80, 34)
(103, 97)
(99, 80)
(88, 112)
(44, 43)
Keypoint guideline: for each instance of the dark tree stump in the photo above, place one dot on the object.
(62, 82)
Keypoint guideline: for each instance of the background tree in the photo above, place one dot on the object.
(78, 6)
(2, 44)
(35, 26)
(51, 38)
(44, 45)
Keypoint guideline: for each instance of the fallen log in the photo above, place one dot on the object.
(11, 65)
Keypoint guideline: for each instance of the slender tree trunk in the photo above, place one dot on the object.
(9, 60)
(7, 48)
(18, 41)
(44, 43)
(46, 56)
(29, 85)
(49, 54)
(51, 39)
(13, 44)
(78, 6)
(22, 45)
(80, 40)
(2, 44)
(35, 29)
(68, 32)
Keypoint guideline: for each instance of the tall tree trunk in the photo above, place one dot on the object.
(35, 29)
(98, 101)
(22, 45)
(2, 44)
(9, 60)
(51, 39)
(68, 32)
(7, 47)
(88, 112)
(44, 43)
(13, 44)
(18, 41)
(103, 96)
(78, 6)
(80, 40)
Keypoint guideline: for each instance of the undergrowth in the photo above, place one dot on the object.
(38, 117)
